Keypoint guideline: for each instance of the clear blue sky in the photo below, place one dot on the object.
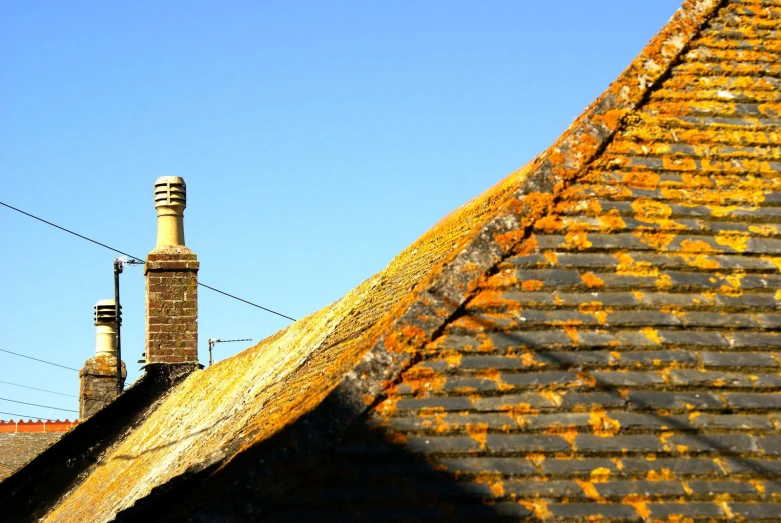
(317, 140)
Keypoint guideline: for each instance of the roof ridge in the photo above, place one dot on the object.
(538, 183)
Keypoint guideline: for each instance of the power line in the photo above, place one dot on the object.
(247, 302)
(37, 359)
(21, 415)
(36, 405)
(42, 390)
(142, 261)
(68, 230)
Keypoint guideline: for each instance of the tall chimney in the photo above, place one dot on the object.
(98, 378)
(171, 282)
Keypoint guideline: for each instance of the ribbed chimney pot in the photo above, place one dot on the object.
(170, 201)
(105, 328)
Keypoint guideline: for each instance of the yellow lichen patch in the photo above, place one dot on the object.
(638, 295)
(478, 432)
(591, 280)
(596, 310)
(651, 334)
(697, 246)
(577, 239)
(732, 286)
(720, 211)
(679, 163)
(639, 503)
(599, 475)
(735, 240)
(503, 278)
(664, 474)
(584, 380)
(387, 407)
(770, 109)
(532, 285)
(590, 491)
(552, 396)
(517, 410)
(572, 333)
(675, 310)
(421, 380)
(494, 482)
(549, 224)
(488, 299)
(664, 437)
(539, 507)
(453, 358)
(471, 323)
(508, 240)
(664, 282)
(758, 485)
(602, 425)
(701, 261)
(658, 240)
(611, 221)
(628, 266)
(527, 360)
(495, 376)
(651, 211)
(439, 424)
(764, 229)
(641, 179)
(536, 459)
(551, 256)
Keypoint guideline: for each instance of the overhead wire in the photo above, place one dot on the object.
(37, 405)
(36, 388)
(21, 415)
(142, 261)
(38, 359)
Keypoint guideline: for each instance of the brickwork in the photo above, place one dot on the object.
(21, 442)
(98, 384)
(172, 305)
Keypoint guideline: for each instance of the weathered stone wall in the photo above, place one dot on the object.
(98, 386)
(21, 442)
(172, 306)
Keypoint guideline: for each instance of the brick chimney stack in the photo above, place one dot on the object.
(98, 378)
(171, 282)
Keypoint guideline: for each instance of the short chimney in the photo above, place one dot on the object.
(171, 282)
(99, 376)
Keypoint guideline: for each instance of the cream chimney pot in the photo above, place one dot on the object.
(170, 201)
(106, 328)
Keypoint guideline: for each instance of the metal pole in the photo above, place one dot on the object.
(117, 272)
(214, 341)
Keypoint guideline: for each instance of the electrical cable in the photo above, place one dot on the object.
(35, 388)
(22, 415)
(37, 359)
(68, 231)
(36, 405)
(142, 261)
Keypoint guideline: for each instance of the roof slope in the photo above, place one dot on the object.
(562, 328)
(624, 362)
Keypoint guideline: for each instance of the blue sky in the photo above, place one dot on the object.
(317, 140)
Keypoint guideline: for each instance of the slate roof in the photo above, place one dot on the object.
(597, 336)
